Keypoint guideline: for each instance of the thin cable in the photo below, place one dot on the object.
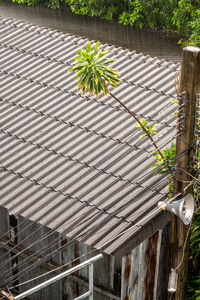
(8, 233)
(30, 267)
(15, 235)
(58, 268)
(55, 251)
(194, 178)
(149, 172)
(39, 228)
(51, 232)
(109, 216)
(114, 237)
(102, 246)
(181, 261)
(143, 178)
(54, 270)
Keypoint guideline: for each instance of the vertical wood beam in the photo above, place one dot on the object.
(185, 150)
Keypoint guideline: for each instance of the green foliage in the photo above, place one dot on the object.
(178, 16)
(133, 16)
(166, 163)
(197, 171)
(194, 25)
(46, 3)
(106, 9)
(149, 130)
(93, 71)
(149, 13)
(95, 75)
(195, 242)
(193, 289)
(182, 15)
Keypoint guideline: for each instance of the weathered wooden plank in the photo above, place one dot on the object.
(139, 271)
(70, 288)
(146, 231)
(52, 266)
(103, 272)
(163, 265)
(4, 254)
(29, 233)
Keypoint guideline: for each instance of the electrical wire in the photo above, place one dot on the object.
(194, 178)
(109, 216)
(55, 251)
(143, 178)
(184, 246)
(29, 225)
(54, 270)
(102, 246)
(47, 235)
(109, 154)
(30, 267)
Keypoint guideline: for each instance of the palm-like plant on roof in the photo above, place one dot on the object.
(95, 75)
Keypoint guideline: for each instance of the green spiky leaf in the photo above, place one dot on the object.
(92, 70)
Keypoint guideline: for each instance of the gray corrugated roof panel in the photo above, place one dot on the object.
(72, 162)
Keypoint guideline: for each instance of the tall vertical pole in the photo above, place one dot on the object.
(185, 150)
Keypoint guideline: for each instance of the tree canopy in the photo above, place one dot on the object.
(173, 16)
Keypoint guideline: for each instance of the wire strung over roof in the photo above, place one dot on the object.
(75, 163)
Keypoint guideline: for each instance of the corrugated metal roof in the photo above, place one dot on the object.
(72, 162)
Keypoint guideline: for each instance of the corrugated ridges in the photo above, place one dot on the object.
(69, 161)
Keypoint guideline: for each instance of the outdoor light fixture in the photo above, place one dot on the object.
(183, 208)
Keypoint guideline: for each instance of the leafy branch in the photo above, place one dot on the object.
(95, 75)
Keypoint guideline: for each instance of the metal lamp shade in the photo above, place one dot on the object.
(183, 208)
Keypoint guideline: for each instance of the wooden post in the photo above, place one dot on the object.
(185, 150)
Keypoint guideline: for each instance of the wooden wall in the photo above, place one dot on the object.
(143, 275)
(40, 241)
(145, 269)
(5, 262)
